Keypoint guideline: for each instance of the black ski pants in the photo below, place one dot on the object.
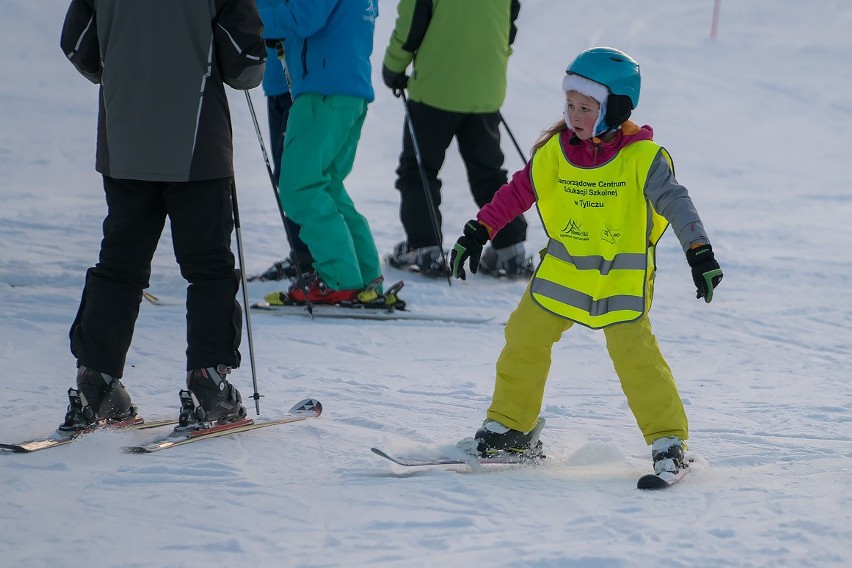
(201, 225)
(478, 137)
(278, 111)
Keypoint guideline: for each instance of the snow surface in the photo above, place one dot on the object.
(757, 122)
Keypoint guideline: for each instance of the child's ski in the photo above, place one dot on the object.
(61, 437)
(661, 481)
(502, 459)
(308, 408)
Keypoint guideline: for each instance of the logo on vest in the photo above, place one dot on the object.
(610, 235)
(573, 230)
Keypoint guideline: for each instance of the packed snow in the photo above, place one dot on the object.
(757, 121)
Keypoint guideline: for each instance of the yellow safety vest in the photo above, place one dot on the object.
(602, 233)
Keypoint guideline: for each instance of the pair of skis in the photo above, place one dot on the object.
(650, 481)
(308, 408)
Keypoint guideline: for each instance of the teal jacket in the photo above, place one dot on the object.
(328, 44)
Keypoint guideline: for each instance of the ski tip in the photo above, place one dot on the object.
(379, 452)
(135, 450)
(652, 481)
(308, 406)
(151, 298)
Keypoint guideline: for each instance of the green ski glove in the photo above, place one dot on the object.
(706, 272)
(468, 247)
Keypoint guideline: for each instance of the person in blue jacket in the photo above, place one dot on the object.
(278, 102)
(328, 44)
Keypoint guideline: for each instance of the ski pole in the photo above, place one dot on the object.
(512, 136)
(247, 310)
(300, 279)
(433, 213)
(278, 46)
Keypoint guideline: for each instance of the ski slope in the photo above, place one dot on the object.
(757, 122)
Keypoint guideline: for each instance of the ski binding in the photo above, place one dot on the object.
(469, 460)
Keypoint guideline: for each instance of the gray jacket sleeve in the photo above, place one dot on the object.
(672, 201)
(79, 40)
(239, 47)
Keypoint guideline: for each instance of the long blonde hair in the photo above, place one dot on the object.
(554, 130)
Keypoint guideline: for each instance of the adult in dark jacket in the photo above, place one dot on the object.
(165, 150)
(460, 52)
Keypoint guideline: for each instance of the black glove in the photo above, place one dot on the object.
(396, 81)
(277, 45)
(705, 271)
(469, 246)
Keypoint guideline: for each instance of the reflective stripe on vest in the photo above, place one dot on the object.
(601, 232)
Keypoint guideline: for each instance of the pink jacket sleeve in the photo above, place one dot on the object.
(510, 201)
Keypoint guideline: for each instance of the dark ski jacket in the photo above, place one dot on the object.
(161, 65)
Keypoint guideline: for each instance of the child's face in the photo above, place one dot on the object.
(582, 114)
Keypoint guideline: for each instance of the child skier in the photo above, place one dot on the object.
(605, 192)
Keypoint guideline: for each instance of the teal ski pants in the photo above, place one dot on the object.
(319, 151)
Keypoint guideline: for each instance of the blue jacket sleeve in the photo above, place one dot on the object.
(299, 18)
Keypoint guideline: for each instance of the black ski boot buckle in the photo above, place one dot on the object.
(79, 414)
(192, 414)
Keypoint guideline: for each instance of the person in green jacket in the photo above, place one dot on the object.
(459, 51)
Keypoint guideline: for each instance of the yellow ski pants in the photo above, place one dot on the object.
(524, 365)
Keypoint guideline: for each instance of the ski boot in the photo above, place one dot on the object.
(284, 268)
(277, 298)
(209, 398)
(391, 297)
(98, 397)
(493, 439)
(315, 290)
(668, 456)
(428, 261)
(371, 297)
(312, 290)
(319, 293)
(509, 262)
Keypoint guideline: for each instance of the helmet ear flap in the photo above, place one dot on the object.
(618, 108)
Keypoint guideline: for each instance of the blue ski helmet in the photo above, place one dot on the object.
(612, 68)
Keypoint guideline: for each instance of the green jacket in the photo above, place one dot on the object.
(460, 50)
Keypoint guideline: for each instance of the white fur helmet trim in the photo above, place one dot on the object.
(589, 88)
